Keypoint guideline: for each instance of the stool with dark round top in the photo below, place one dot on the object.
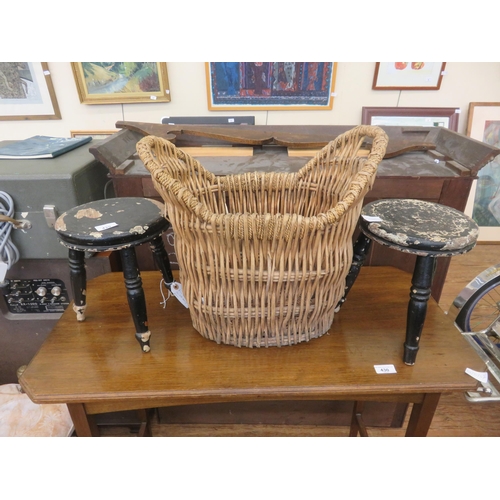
(118, 224)
(427, 230)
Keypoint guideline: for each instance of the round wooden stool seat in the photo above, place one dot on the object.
(425, 229)
(116, 224)
(419, 227)
(111, 224)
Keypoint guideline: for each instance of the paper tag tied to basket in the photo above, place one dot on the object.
(175, 289)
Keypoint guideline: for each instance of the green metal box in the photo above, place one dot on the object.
(64, 182)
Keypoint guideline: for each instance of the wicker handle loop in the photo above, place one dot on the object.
(348, 145)
(169, 166)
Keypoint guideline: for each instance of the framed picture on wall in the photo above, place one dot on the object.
(95, 134)
(121, 82)
(484, 125)
(27, 92)
(408, 75)
(270, 85)
(411, 117)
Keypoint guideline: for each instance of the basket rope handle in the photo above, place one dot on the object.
(147, 145)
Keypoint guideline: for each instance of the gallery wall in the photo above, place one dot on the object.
(462, 83)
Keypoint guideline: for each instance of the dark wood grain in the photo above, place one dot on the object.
(286, 135)
(467, 152)
(97, 362)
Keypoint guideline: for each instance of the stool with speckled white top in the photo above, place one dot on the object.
(427, 230)
(116, 224)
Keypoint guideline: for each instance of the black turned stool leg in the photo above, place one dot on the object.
(162, 260)
(360, 251)
(417, 307)
(78, 277)
(136, 297)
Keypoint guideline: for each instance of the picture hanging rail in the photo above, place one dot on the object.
(270, 85)
(121, 82)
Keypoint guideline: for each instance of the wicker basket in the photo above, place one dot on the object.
(263, 257)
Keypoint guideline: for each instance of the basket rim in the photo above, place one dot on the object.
(330, 217)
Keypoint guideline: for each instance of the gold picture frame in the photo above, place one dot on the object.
(120, 82)
(95, 134)
(27, 92)
(294, 86)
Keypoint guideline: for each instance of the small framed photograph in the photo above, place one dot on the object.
(121, 82)
(484, 125)
(408, 75)
(95, 134)
(26, 92)
(247, 86)
(411, 117)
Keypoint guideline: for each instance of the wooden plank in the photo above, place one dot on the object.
(313, 152)
(124, 167)
(468, 152)
(217, 151)
(310, 137)
(117, 148)
(302, 152)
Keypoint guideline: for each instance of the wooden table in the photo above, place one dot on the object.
(97, 366)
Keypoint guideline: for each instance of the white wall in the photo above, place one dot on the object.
(462, 84)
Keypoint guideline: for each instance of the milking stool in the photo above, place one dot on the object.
(425, 229)
(116, 224)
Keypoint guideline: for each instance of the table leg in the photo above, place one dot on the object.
(78, 277)
(136, 297)
(85, 425)
(357, 424)
(422, 415)
(417, 308)
(145, 428)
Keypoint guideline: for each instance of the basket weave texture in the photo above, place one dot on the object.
(263, 257)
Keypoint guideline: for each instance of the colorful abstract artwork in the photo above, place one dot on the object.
(270, 85)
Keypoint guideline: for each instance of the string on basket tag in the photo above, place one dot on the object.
(176, 289)
(164, 302)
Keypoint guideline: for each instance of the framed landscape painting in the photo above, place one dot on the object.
(26, 92)
(484, 202)
(121, 82)
(408, 75)
(270, 85)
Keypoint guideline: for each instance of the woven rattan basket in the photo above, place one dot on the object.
(263, 257)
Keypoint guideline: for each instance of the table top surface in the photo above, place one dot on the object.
(99, 360)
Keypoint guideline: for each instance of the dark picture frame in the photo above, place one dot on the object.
(413, 116)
